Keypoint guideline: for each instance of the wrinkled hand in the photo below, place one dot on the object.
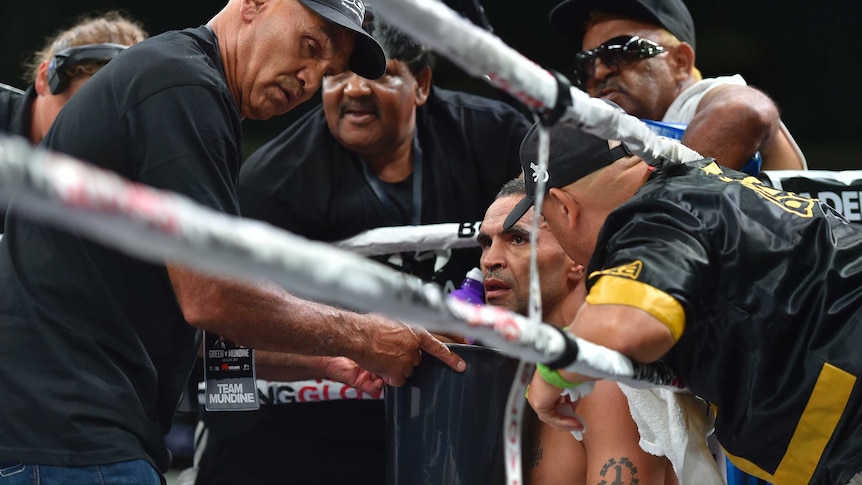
(394, 349)
(552, 406)
(346, 371)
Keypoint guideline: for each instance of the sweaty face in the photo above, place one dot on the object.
(370, 117)
(284, 50)
(506, 260)
(644, 88)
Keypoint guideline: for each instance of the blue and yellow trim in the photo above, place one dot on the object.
(813, 432)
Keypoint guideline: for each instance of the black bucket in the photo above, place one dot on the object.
(446, 428)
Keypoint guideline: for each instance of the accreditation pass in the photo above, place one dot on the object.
(229, 375)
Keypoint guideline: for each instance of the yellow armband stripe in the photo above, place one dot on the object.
(625, 291)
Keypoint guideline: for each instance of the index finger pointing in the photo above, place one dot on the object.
(438, 349)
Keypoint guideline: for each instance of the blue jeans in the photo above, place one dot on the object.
(135, 472)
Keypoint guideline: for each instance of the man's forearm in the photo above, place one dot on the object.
(278, 366)
(263, 316)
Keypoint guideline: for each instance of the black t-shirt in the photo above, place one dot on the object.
(306, 182)
(95, 352)
(14, 119)
(15, 110)
(761, 288)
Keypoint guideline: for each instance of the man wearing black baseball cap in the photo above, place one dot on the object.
(108, 341)
(570, 17)
(641, 55)
(697, 266)
(367, 58)
(574, 154)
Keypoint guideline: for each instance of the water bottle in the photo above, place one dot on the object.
(472, 289)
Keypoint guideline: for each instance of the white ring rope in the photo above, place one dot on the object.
(482, 54)
(159, 226)
(425, 237)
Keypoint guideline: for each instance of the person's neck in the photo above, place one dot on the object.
(687, 83)
(563, 314)
(392, 165)
(627, 177)
(224, 30)
(36, 121)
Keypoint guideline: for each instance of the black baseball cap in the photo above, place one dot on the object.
(570, 17)
(367, 58)
(573, 155)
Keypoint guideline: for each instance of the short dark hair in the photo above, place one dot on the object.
(397, 45)
(511, 188)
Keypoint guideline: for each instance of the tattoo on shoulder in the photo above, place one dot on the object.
(619, 472)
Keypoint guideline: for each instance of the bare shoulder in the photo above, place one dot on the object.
(735, 96)
(612, 441)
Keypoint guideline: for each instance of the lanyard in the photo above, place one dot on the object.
(380, 192)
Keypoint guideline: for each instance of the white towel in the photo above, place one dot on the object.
(675, 425)
(574, 394)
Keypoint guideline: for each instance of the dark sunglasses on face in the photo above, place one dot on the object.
(617, 52)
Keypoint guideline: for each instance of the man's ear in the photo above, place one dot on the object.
(250, 8)
(423, 86)
(577, 272)
(568, 208)
(41, 84)
(682, 56)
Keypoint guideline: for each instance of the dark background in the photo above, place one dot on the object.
(803, 54)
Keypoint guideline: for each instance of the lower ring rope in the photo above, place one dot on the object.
(156, 226)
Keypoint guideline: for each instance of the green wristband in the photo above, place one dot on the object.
(554, 378)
